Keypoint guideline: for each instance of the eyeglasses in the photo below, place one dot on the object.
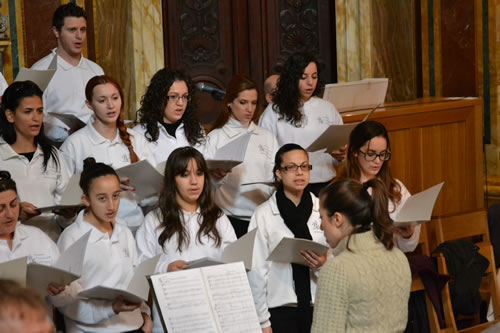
(295, 167)
(371, 155)
(175, 98)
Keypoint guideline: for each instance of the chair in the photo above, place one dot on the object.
(470, 226)
(417, 285)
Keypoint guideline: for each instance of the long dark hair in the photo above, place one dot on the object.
(351, 198)
(170, 213)
(122, 130)
(360, 135)
(93, 170)
(11, 99)
(237, 84)
(286, 98)
(155, 100)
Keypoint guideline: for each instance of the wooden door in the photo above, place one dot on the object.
(214, 40)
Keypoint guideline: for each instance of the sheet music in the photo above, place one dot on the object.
(229, 292)
(288, 250)
(183, 302)
(40, 77)
(231, 154)
(356, 94)
(144, 177)
(15, 270)
(210, 299)
(418, 208)
(71, 196)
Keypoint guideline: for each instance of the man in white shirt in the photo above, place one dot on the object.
(65, 93)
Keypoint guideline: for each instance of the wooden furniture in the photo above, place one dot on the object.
(435, 140)
(472, 226)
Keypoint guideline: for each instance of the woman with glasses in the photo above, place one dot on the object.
(240, 108)
(284, 293)
(368, 157)
(298, 115)
(167, 116)
(108, 141)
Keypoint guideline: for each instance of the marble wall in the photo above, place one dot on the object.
(376, 39)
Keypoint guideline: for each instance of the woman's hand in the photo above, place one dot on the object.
(267, 330)
(27, 211)
(147, 326)
(339, 154)
(177, 265)
(405, 232)
(313, 260)
(55, 289)
(67, 213)
(120, 305)
(218, 173)
(124, 186)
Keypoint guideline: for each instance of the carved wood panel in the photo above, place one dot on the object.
(214, 40)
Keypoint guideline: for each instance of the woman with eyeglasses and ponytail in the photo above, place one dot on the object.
(284, 293)
(368, 157)
(107, 140)
(366, 287)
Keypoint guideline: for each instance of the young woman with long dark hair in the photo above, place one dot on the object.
(187, 225)
(298, 115)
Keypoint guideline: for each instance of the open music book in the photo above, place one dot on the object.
(418, 208)
(39, 76)
(137, 290)
(231, 154)
(209, 299)
(70, 198)
(288, 250)
(356, 94)
(144, 177)
(336, 136)
(239, 250)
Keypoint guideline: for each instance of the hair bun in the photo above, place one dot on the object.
(88, 162)
(4, 175)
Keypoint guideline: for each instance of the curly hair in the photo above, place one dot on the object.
(237, 84)
(12, 97)
(170, 213)
(359, 136)
(155, 100)
(286, 97)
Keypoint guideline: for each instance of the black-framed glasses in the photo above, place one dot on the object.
(371, 155)
(175, 98)
(295, 167)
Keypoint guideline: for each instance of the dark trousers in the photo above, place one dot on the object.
(240, 226)
(286, 319)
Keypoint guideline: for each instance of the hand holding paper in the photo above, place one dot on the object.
(418, 208)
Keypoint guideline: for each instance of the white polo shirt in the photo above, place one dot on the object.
(30, 242)
(166, 143)
(66, 92)
(233, 198)
(37, 186)
(318, 114)
(109, 261)
(87, 142)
